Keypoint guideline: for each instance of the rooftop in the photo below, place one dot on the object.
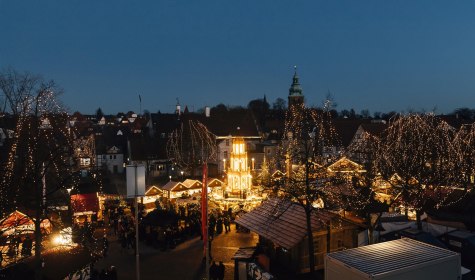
(389, 256)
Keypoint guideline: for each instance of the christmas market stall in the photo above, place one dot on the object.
(86, 208)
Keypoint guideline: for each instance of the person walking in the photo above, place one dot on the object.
(227, 222)
(220, 271)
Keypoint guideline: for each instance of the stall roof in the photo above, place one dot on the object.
(389, 256)
(244, 253)
(174, 186)
(85, 202)
(190, 183)
(284, 223)
(16, 218)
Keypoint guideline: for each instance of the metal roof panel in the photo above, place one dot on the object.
(389, 256)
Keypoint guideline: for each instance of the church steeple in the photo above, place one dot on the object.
(295, 91)
(178, 107)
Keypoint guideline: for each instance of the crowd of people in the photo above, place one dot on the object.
(120, 223)
(219, 222)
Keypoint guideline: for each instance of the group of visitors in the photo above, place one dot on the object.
(218, 223)
(123, 226)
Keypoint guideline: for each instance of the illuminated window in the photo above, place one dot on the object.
(85, 161)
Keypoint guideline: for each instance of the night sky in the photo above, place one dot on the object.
(376, 55)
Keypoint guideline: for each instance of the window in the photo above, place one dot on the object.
(227, 142)
(115, 156)
(225, 154)
(110, 157)
(85, 162)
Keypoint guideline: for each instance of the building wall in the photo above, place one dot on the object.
(340, 239)
(113, 162)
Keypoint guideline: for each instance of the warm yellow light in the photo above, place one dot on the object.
(63, 238)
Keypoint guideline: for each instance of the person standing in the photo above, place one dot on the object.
(227, 222)
(213, 271)
(220, 271)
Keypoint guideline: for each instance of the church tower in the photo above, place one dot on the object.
(295, 91)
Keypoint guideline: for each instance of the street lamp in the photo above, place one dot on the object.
(224, 164)
(170, 177)
(253, 164)
(181, 174)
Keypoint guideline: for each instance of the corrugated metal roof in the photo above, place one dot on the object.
(389, 256)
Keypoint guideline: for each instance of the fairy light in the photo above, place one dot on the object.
(41, 147)
(306, 149)
(191, 145)
(429, 158)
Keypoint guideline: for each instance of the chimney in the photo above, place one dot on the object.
(207, 112)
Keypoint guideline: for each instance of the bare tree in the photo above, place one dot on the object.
(193, 145)
(420, 160)
(39, 162)
(304, 154)
(18, 89)
(464, 164)
(365, 185)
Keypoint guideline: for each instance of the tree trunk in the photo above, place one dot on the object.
(38, 238)
(418, 219)
(311, 249)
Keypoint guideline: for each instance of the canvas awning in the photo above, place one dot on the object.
(85, 203)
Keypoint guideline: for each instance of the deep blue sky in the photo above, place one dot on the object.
(376, 55)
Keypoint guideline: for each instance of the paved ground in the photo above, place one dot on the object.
(226, 244)
(183, 262)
